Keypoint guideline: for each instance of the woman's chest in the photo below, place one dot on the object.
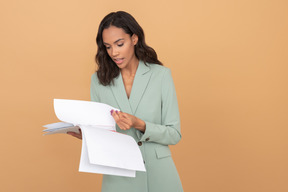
(146, 102)
(128, 84)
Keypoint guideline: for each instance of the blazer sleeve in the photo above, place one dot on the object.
(168, 132)
(93, 88)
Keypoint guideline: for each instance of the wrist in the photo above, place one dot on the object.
(140, 125)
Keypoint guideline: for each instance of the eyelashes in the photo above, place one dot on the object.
(119, 45)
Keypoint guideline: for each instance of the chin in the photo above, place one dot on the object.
(121, 66)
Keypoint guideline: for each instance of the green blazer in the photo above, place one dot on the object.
(152, 99)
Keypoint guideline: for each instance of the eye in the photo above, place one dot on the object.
(120, 45)
(107, 47)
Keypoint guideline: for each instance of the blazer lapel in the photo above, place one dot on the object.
(120, 95)
(140, 83)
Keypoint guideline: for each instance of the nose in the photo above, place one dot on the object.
(114, 52)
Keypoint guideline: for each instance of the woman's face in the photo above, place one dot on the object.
(120, 46)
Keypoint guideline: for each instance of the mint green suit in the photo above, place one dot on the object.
(152, 99)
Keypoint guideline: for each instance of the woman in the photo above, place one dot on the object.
(130, 77)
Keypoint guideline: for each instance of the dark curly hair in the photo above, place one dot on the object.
(107, 69)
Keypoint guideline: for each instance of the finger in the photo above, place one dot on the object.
(122, 114)
(118, 120)
(77, 135)
(126, 118)
(72, 134)
(123, 125)
(115, 115)
(121, 119)
(127, 122)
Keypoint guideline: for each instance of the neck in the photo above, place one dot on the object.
(130, 70)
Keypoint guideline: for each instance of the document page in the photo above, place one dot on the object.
(104, 150)
(112, 149)
(84, 112)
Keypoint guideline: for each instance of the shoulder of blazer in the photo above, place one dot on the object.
(156, 67)
(158, 70)
(95, 80)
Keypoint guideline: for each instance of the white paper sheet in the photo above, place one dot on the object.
(84, 112)
(86, 166)
(116, 149)
(58, 125)
(104, 150)
(62, 130)
(62, 127)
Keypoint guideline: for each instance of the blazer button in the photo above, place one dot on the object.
(139, 143)
(147, 139)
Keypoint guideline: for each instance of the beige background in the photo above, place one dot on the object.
(229, 63)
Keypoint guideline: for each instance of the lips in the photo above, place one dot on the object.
(118, 61)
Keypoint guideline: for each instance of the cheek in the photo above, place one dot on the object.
(130, 50)
(108, 51)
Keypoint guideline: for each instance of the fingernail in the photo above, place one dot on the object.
(117, 112)
(111, 111)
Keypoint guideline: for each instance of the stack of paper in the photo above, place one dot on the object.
(60, 127)
(104, 150)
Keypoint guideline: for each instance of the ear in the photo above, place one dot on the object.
(135, 39)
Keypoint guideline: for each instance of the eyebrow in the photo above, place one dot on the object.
(114, 42)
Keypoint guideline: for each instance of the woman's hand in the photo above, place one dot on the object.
(77, 135)
(125, 121)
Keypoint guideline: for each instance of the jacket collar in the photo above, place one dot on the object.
(140, 83)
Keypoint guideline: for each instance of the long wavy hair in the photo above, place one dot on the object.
(107, 69)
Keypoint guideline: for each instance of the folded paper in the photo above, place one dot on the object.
(104, 150)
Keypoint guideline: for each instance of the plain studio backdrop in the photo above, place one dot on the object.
(230, 67)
